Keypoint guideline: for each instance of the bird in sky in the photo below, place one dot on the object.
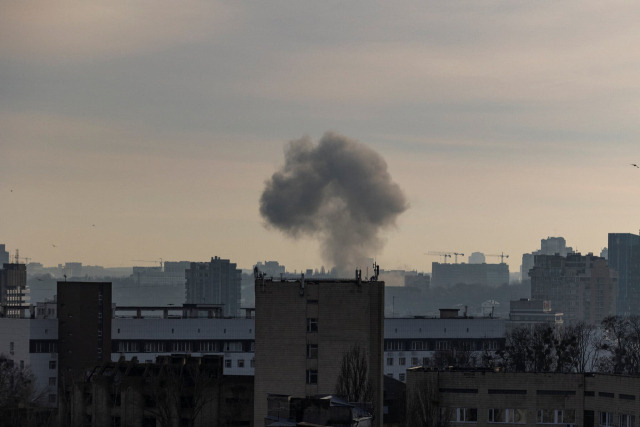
(635, 165)
(53, 245)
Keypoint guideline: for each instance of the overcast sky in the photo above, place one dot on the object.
(138, 130)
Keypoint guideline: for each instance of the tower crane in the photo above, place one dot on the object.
(501, 255)
(444, 255)
(456, 256)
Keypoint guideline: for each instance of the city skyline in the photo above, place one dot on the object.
(131, 133)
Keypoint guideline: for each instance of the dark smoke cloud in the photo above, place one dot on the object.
(339, 191)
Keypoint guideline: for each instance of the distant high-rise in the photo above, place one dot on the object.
(581, 287)
(13, 290)
(470, 274)
(624, 257)
(477, 258)
(215, 282)
(4, 255)
(548, 246)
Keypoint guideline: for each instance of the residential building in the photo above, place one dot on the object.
(471, 274)
(84, 334)
(548, 246)
(415, 341)
(529, 313)
(171, 391)
(477, 258)
(320, 410)
(215, 282)
(488, 397)
(624, 257)
(4, 255)
(14, 295)
(303, 330)
(582, 287)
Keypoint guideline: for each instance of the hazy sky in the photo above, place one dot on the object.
(159, 122)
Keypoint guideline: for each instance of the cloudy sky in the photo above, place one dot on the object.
(138, 130)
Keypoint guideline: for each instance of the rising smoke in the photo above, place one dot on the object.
(339, 191)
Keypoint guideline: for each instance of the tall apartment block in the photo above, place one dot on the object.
(624, 257)
(84, 333)
(582, 287)
(216, 282)
(4, 255)
(13, 290)
(303, 329)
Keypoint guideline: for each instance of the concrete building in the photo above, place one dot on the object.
(529, 313)
(4, 255)
(84, 333)
(582, 287)
(304, 327)
(477, 258)
(484, 398)
(215, 282)
(414, 341)
(624, 257)
(14, 295)
(548, 246)
(172, 391)
(470, 274)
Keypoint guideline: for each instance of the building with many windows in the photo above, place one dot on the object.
(486, 397)
(624, 258)
(215, 282)
(443, 274)
(581, 287)
(303, 330)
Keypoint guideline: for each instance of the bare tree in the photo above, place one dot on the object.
(18, 398)
(354, 384)
(423, 408)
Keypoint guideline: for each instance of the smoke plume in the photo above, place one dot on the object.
(338, 191)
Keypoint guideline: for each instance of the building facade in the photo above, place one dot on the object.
(581, 287)
(14, 298)
(485, 398)
(471, 274)
(215, 282)
(303, 329)
(624, 257)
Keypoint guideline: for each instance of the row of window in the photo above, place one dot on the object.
(434, 345)
(607, 419)
(228, 363)
(126, 346)
(402, 361)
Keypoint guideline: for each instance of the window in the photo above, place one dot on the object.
(52, 381)
(253, 363)
(227, 363)
(312, 351)
(11, 347)
(414, 361)
(417, 345)
(389, 361)
(312, 324)
(153, 346)
(402, 361)
(556, 416)
(499, 415)
(627, 420)
(442, 345)
(393, 345)
(464, 415)
(127, 346)
(606, 419)
(401, 377)
(209, 347)
(181, 346)
(52, 364)
(240, 363)
(312, 376)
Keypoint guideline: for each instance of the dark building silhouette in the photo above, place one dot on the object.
(13, 284)
(84, 334)
(216, 282)
(624, 257)
(4, 255)
(471, 274)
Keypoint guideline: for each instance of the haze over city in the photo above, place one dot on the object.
(134, 133)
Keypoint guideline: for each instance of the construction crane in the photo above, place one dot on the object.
(444, 255)
(501, 255)
(456, 256)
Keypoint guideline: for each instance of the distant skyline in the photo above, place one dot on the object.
(130, 132)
